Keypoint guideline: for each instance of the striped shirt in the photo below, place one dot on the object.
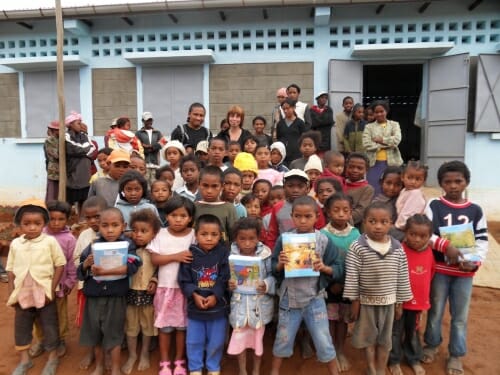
(376, 279)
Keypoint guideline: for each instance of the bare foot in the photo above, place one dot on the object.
(143, 362)
(256, 371)
(395, 370)
(129, 365)
(99, 370)
(87, 360)
(116, 371)
(343, 363)
(418, 369)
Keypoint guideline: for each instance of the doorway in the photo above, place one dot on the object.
(401, 85)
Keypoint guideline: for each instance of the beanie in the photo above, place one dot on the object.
(245, 161)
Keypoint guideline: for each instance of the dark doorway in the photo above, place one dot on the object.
(401, 85)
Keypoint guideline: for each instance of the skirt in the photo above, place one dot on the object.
(247, 338)
(170, 308)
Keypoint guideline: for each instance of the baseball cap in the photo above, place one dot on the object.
(296, 173)
(147, 116)
(202, 147)
(54, 125)
(176, 144)
(31, 203)
(321, 94)
(118, 155)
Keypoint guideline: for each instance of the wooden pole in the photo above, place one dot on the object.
(61, 104)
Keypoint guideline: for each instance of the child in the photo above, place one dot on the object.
(276, 195)
(313, 169)
(263, 158)
(140, 312)
(108, 187)
(308, 145)
(211, 180)
(262, 190)
(35, 265)
(231, 188)
(405, 331)
(259, 125)
(204, 283)
(173, 152)
(250, 312)
(250, 144)
(106, 302)
(165, 173)
(121, 138)
(247, 165)
(377, 284)
(338, 209)
(51, 152)
(234, 150)
(102, 161)
(169, 249)
(357, 187)
(278, 156)
(353, 132)
(390, 186)
(133, 192)
(289, 129)
(193, 132)
(369, 115)
(201, 152)
(138, 164)
(190, 172)
(326, 187)
(160, 194)
(334, 163)
(252, 205)
(224, 125)
(453, 282)
(340, 122)
(301, 299)
(217, 149)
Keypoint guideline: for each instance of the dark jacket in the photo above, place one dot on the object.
(208, 274)
(150, 154)
(245, 134)
(290, 135)
(322, 121)
(189, 136)
(78, 151)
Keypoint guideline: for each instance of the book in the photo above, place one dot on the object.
(110, 255)
(462, 237)
(301, 251)
(247, 271)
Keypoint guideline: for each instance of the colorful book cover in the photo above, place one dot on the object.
(109, 255)
(462, 237)
(301, 251)
(247, 271)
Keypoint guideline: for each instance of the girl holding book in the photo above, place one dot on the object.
(251, 301)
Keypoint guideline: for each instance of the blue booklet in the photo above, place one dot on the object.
(300, 249)
(109, 255)
(247, 271)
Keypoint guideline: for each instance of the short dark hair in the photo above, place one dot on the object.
(347, 98)
(30, 209)
(161, 182)
(59, 206)
(295, 86)
(290, 102)
(233, 143)
(231, 170)
(328, 180)
(261, 118)
(418, 165)
(178, 201)
(122, 121)
(262, 181)
(133, 176)
(453, 166)
(419, 219)
(251, 137)
(164, 168)
(339, 196)
(207, 219)
(114, 210)
(95, 202)
(382, 103)
(105, 151)
(212, 170)
(250, 197)
(313, 135)
(214, 139)
(146, 216)
(190, 158)
(196, 105)
(305, 200)
(277, 187)
(392, 169)
(329, 155)
(246, 223)
(358, 155)
(377, 205)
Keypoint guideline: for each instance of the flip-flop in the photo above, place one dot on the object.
(429, 354)
(454, 366)
(22, 368)
(50, 367)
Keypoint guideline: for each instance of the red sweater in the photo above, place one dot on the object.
(421, 266)
(329, 174)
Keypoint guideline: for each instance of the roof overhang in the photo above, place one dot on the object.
(201, 56)
(401, 50)
(27, 64)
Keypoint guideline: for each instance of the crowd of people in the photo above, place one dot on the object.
(382, 252)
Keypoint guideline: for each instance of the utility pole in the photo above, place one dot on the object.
(61, 104)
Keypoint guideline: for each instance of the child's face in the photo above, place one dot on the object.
(234, 120)
(118, 169)
(32, 224)
(189, 149)
(304, 217)
(358, 115)
(417, 236)
(288, 110)
(139, 165)
(208, 236)
(210, 188)
(313, 175)
(247, 240)
(453, 184)
(340, 213)
(253, 208)
(250, 146)
(234, 150)
(111, 226)
(173, 156)
(190, 173)
(263, 157)
(392, 185)
(261, 191)
(307, 147)
(57, 221)
(167, 176)
(348, 104)
(258, 126)
(380, 114)
(369, 115)
(196, 117)
(224, 125)
(160, 191)
(142, 233)
(178, 220)
(356, 169)
(247, 179)
(377, 223)
(275, 157)
(216, 152)
(231, 187)
(202, 156)
(324, 189)
(92, 216)
(102, 161)
(133, 192)
(413, 178)
(336, 165)
(276, 195)
(294, 188)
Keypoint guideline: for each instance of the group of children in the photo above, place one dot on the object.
(219, 200)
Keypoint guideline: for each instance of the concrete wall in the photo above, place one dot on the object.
(10, 123)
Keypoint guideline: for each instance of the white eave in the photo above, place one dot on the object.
(200, 56)
(401, 50)
(42, 63)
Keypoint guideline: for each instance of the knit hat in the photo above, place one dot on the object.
(176, 144)
(281, 149)
(54, 125)
(202, 147)
(245, 161)
(73, 116)
(118, 155)
(31, 203)
(314, 162)
(296, 173)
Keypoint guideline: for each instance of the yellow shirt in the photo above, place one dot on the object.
(39, 256)
(143, 276)
(382, 153)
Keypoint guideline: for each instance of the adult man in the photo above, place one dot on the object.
(301, 109)
(150, 139)
(322, 121)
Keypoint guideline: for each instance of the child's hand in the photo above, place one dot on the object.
(96, 270)
(210, 301)
(66, 290)
(318, 265)
(453, 254)
(378, 139)
(355, 307)
(467, 266)
(232, 284)
(151, 287)
(261, 287)
(398, 311)
(199, 301)
(184, 256)
(282, 260)
(88, 262)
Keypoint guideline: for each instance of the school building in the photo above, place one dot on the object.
(437, 62)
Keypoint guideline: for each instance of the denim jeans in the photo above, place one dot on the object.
(405, 340)
(205, 337)
(458, 290)
(315, 317)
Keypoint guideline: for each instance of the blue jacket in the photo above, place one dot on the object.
(127, 208)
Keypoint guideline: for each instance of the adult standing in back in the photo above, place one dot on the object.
(278, 114)
(322, 121)
(235, 117)
(193, 131)
(289, 130)
(340, 122)
(301, 109)
(150, 139)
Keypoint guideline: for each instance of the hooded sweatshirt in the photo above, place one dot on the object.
(126, 208)
(280, 167)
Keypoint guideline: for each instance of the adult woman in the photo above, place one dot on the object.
(235, 117)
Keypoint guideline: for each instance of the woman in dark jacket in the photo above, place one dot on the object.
(235, 117)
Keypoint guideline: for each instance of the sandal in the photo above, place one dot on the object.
(429, 354)
(454, 366)
(36, 350)
(180, 367)
(50, 367)
(22, 368)
(165, 368)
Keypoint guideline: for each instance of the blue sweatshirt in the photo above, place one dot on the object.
(208, 274)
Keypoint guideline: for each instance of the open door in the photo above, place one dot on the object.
(345, 78)
(487, 117)
(446, 127)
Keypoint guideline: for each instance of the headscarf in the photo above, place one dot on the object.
(73, 116)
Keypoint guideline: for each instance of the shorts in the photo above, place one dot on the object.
(374, 327)
(340, 312)
(140, 319)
